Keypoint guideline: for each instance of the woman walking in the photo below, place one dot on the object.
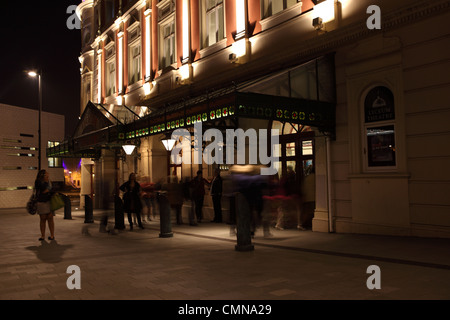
(132, 199)
(43, 189)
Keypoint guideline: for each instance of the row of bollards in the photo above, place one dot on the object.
(242, 212)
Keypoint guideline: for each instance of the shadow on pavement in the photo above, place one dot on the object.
(49, 252)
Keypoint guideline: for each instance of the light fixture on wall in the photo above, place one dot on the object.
(129, 149)
(168, 143)
(318, 23)
(323, 12)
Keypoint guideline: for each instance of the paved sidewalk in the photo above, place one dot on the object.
(200, 263)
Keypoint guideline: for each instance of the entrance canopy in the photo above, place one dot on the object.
(235, 105)
(102, 128)
(98, 128)
(302, 95)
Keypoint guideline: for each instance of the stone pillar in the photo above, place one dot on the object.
(320, 221)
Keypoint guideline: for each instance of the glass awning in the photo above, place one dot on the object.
(120, 114)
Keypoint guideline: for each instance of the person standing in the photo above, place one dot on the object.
(216, 194)
(131, 199)
(43, 189)
(198, 194)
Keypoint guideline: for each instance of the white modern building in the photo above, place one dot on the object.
(19, 149)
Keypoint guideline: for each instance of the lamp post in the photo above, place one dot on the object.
(34, 74)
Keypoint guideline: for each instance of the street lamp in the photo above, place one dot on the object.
(34, 74)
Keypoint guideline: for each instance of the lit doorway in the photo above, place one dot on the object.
(296, 151)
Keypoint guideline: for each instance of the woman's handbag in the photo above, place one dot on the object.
(56, 202)
(32, 204)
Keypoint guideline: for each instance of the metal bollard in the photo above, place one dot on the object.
(88, 210)
(244, 239)
(118, 214)
(165, 219)
(67, 207)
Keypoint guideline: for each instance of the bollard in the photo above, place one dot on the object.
(165, 219)
(244, 239)
(67, 207)
(118, 214)
(88, 210)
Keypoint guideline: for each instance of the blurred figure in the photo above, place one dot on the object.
(187, 194)
(175, 197)
(248, 181)
(229, 195)
(148, 198)
(131, 199)
(216, 194)
(198, 194)
(289, 196)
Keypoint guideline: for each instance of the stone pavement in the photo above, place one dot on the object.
(201, 263)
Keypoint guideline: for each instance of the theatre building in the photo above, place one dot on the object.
(359, 94)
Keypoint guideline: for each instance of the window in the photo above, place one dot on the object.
(381, 146)
(272, 7)
(111, 78)
(213, 22)
(168, 55)
(54, 162)
(135, 63)
(379, 118)
(109, 7)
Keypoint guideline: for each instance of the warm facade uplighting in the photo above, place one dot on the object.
(239, 48)
(99, 79)
(324, 10)
(185, 31)
(147, 88)
(147, 45)
(120, 62)
(240, 19)
(185, 71)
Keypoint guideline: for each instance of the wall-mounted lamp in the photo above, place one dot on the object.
(168, 143)
(318, 23)
(185, 73)
(129, 149)
(323, 12)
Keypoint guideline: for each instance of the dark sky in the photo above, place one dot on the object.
(34, 35)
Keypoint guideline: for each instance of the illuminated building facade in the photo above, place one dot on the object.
(358, 92)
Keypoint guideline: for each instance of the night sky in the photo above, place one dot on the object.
(34, 35)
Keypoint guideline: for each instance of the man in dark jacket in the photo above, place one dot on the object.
(216, 193)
